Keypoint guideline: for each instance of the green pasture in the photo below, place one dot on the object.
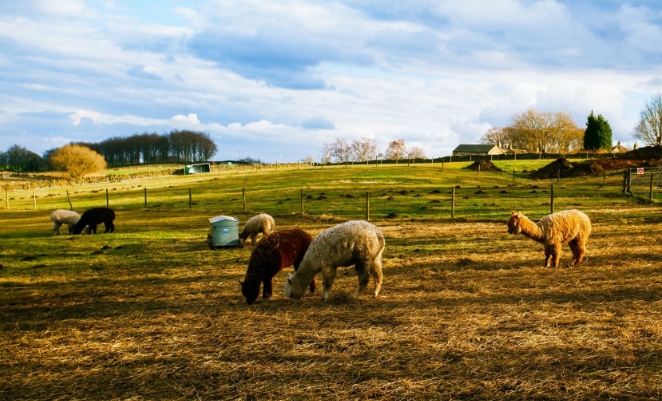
(418, 191)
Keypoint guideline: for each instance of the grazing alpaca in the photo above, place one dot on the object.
(96, 216)
(357, 243)
(62, 216)
(262, 223)
(274, 252)
(570, 227)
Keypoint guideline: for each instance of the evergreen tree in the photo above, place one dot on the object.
(598, 133)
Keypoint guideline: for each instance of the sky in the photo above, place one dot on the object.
(275, 80)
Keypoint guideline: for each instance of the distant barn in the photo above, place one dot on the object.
(477, 150)
(197, 168)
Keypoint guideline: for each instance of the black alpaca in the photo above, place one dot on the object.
(96, 216)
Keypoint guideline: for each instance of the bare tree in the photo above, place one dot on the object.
(327, 150)
(501, 136)
(308, 160)
(341, 150)
(364, 149)
(544, 132)
(649, 129)
(417, 152)
(396, 150)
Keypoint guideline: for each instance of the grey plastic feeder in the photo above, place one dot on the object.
(224, 232)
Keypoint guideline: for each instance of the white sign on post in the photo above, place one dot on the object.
(640, 170)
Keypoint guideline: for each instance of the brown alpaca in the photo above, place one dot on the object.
(273, 253)
(570, 227)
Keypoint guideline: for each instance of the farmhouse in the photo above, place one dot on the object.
(619, 148)
(477, 150)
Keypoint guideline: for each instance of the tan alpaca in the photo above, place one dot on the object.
(570, 227)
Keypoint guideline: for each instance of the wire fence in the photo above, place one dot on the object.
(358, 199)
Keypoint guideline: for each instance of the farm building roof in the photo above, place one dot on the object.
(474, 148)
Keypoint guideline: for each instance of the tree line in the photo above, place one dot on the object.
(365, 149)
(176, 146)
(534, 131)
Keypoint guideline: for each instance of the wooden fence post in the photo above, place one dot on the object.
(650, 194)
(107, 201)
(145, 197)
(558, 175)
(478, 167)
(301, 201)
(71, 207)
(551, 203)
(34, 198)
(513, 175)
(367, 206)
(453, 204)
(190, 198)
(243, 195)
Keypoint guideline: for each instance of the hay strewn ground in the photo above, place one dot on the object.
(467, 311)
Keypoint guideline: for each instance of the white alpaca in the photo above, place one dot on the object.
(262, 223)
(357, 243)
(62, 216)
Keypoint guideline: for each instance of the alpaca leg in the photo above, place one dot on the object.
(548, 254)
(328, 277)
(575, 251)
(376, 273)
(364, 277)
(110, 227)
(581, 251)
(266, 291)
(556, 251)
(253, 239)
(71, 229)
(313, 285)
(93, 228)
(56, 228)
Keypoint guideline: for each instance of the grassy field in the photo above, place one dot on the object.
(467, 311)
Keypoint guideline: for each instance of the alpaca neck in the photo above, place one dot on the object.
(531, 229)
(302, 279)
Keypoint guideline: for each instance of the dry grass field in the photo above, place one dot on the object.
(467, 312)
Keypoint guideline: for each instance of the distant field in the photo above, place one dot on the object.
(467, 310)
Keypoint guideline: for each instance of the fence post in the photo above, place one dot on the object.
(190, 198)
(367, 206)
(551, 203)
(513, 175)
(107, 202)
(145, 197)
(650, 194)
(71, 207)
(558, 175)
(301, 201)
(34, 198)
(478, 167)
(243, 195)
(442, 164)
(453, 204)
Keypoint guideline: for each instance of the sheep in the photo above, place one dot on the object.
(63, 216)
(274, 252)
(262, 223)
(570, 227)
(357, 243)
(96, 216)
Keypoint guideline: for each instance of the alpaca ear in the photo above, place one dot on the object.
(241, 282)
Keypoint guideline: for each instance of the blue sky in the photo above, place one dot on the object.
(269, 78)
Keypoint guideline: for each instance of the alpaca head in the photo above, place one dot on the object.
(250, 292)
(514, 222)
(242, 242)
(288, 285)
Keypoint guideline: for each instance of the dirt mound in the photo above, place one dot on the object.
(590, 167)
(485, 165)
(647, 152)
(566, 169)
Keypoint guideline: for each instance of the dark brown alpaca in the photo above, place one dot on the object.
(273, 253)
